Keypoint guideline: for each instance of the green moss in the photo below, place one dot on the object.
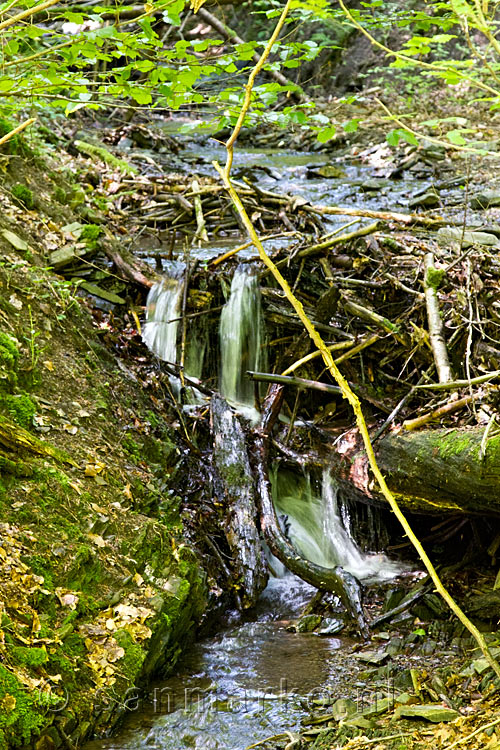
(131, 663)
(89, 149)
(9, 357)
(38, 564)
(60, 196)
(20, 408)
(90, 233)
(24, 196)
(20, 717)
(434, 277)
(32, 657)
(454, 443)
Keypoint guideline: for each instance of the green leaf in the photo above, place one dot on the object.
(140, 95)
(455, 136)
(351, 125)
(400, 134)
(325, 134)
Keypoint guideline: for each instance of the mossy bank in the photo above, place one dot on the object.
(98, 588)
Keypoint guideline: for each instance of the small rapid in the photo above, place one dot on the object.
(316, 525)
(241, 337)
(249, 682)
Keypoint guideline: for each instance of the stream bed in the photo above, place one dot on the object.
(251, 681)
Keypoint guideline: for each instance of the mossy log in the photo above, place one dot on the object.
(430, 471)
(16, 444)
(234, 485)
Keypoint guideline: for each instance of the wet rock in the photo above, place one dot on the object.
(359, 722)
(403, 679)
(393, 597)
(433, 712)
(371, 186)
(330, 626)
(429, 646)
(480, 666)
(372, 657)
(395, 646)
(484, 606)
(485, 199)
(343, 708)
(433, 151)
(406, 699)
(429, 199)
(308, 623)
(330, 171)
(448, 235)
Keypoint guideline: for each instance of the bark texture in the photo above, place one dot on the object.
(431, 471)
(235, 487)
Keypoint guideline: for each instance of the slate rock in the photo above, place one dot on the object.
(371, 186)
(330, 171)
(450, 235)
(434, 712)
(485, 199)
(372, 657)
(343, 708)
(429, 199)
(330, 626)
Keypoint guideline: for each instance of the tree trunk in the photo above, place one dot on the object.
(235, 487)
(431, 471)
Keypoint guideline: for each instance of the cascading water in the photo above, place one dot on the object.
(315, 526)
(162, 325)
(162, 311)
(240, 337)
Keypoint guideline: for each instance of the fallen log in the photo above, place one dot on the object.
(336, 580)
(430, 471)
(235, 487)
(387, 216)
(128, 270)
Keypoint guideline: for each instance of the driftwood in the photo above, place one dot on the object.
(236, 489)
(388, 216)
(336, 580)
(127, 269)
(431, 471)
(265, 377)
(436, 328)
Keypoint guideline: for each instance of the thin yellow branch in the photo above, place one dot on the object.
(249, 86)
(27, 13)
(17, 130)
(436, 67)
(430, 138)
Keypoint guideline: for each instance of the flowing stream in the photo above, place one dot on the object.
(255, 679)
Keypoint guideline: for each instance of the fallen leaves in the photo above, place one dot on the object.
(102, 646)
(67, 598)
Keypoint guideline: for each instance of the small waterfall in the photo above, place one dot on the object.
(240, 337)
(316, 527)
(162, 311)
